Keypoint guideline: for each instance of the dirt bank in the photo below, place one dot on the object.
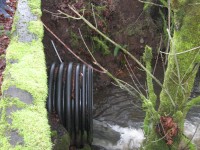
(126, 23)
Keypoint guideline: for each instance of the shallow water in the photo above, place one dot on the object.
(118, 112)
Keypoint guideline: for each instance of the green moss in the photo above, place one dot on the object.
(30, 67)
(151, 118)
(15, 20)
(154, 142)
(9, 101)
(35, 6)
(185, 38)
(190, 145)
(180, 73)
(63, 143)
(54, 133)
(36, 27)
(147, 58)
(29, 126)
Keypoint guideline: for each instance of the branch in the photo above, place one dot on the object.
(150, 110)
(192, 103)
(75, 55)
(114, 43)
(120, 47)
(147, 58)
(151, 3)
(121, 84)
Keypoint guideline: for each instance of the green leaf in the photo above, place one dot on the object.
(116, 50)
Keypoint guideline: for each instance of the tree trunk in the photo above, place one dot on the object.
(178, 80)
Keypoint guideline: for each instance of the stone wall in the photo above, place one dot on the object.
(23, 116)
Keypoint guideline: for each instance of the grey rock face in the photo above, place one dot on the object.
(18, 93)
(15, 138)
(10, 110)
(25, 16)
(104, 131)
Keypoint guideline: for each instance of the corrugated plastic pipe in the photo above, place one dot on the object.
(71, 97)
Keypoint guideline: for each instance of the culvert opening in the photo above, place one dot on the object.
(71, 98)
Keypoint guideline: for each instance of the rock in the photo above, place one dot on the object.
(103, 131)
(20, 94)
(141, 40)
(14, 138)
(62, 143)
(10, 110)
(24, 35)
(96, 147)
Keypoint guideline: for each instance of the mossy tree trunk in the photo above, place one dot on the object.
(179, 78)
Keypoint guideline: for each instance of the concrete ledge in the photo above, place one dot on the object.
(23, 116)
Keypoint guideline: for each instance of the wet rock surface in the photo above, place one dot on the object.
(25, 16)
(15, 138)
(15, 92)
(104, 131)
(9, 111)
(96, 147)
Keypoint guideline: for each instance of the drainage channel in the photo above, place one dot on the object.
(71, 97)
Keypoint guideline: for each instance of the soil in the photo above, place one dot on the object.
(5, 28)
(126, 23)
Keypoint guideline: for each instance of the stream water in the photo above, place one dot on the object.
(118, 120)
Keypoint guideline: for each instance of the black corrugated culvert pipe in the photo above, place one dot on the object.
(71, 97)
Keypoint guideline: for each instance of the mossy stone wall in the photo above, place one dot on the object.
(23, 116)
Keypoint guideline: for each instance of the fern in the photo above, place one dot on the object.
(101, 45)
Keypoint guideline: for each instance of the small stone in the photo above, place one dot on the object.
(142, 41)
(15, 138)
(9, 111)
(13, 61)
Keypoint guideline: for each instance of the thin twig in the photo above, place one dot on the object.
(138, 17)
(191, 65)
(186, 51)
(45, 10)
(194, 4)
(151, 3)
(175, 59)
(133, 79)
(159, 48)
(192, 136)
(86, 46)
(169, 28)
(100, 71)
(56, 51)
(95, 21)
(69, 16)
(133, 73)
(122, 84)
(58, 15)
